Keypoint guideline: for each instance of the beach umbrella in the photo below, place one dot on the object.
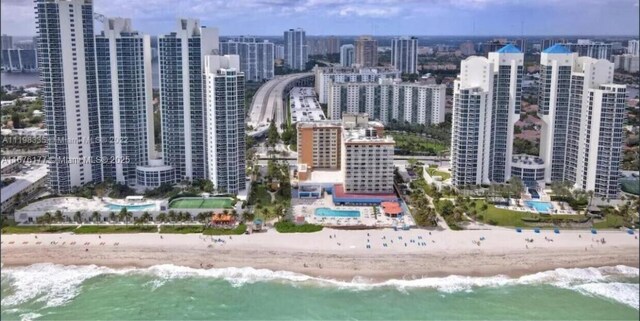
(537, 230)
(630, 231)
(557, 231)
(594, 231)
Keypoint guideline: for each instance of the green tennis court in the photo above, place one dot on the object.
(216, 202)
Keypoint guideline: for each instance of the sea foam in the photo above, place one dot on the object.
(57, 284)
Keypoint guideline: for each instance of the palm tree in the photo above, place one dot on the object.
(58, 216)
(78, 217)
(248, 216)
(234, 214)
(95, 216)
(146, 217)
(47, 218)
(172, 217)
(201, 217)
(187, 216)
(127, 216)
(265, 212)
(162, 217)
(112, 216)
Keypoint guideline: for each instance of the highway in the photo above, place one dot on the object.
(269, 101)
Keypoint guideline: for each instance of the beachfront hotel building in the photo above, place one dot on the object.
(351, 157)
(324, 76)
(180, 55)
(404, 54)
(486, 105)
(256, 57)
(389, 99)
(295, 49)
(123, 64)
(347, 55)
(583, 114)
(224, 110)
(66, 58)
(366, 51)
(367, 156)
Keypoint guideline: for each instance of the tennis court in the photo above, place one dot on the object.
(216, 202)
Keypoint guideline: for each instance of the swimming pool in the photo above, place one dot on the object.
(132, 208)
(542, 207)
(327, 212)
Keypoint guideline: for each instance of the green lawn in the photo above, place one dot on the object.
(222, 202)
(504, 217)
(610, 221)
(415, 143)
(434, 172)
(113, 229)
(182, 229)
(37, 229)
(290, 227)
(262, 195)
(225, 231)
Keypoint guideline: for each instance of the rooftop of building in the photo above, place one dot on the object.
(320, 176)
(524, 159)
(23, 180)
(557, 49)
(321, 123)
(356, 70)
(509, 48)
(365, 135)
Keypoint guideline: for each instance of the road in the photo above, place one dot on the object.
(269, 101)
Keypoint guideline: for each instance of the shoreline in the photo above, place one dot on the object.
(336, 254)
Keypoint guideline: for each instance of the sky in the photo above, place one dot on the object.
(354, 17)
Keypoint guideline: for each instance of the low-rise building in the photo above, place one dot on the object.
(530, 169)
(24, 185)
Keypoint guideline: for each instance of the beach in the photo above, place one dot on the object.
(337, 254)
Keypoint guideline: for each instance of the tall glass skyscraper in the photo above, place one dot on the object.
(486, 105)
(404, 54)
(225, 123)
(295, 49)
(583, 114)
(66, 58)
(181, 96)
(256, 57)
(123, 60)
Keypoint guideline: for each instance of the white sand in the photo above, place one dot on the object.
(344, 256)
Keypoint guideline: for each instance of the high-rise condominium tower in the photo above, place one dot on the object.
(123, 61)
(225, 123)
(68, 75)
(181, 96)
(583, 115)
(256, 57)
(404, 54)
(633, 47)
(366, 51)
(347, 55)
(486, 106)
(295, 49)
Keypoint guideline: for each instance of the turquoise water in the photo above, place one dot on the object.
(327, 212)
(542, 207)
(168, 292)
(133, 208)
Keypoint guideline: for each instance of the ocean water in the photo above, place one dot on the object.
(168, 292)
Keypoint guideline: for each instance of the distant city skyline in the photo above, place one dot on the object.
(378, 18)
